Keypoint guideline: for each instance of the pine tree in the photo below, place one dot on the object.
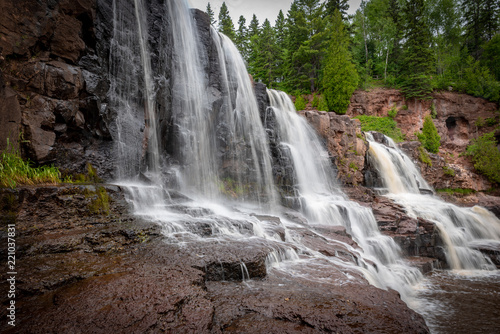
(340, 77)
(481, 21)
(253, 37)
(211, 14)
(418, 60)
(264, 66)
(280, 33)
(226, 25)
(253, 28)
(242, 37)
(341, 5)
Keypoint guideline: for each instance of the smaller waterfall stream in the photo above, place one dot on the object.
(324, 204)
(460, 228)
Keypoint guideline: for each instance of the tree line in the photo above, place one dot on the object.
(417, 46)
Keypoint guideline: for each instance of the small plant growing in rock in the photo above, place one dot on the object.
(424, 156)
(480, 122)
(14, 170)
(433, 111)
(353, 166)
(404, 107)
(100, 201)
(393, 112)
(448, 171)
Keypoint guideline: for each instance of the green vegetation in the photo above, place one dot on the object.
(385, 125)
(393, 112)
(424, 156)
(232, 188)
(429, 137)
(99, 200)
(448, 171)
(433, 111)
(414, 45)
(14, 170)
(340, 77)
(90, 177)
(486, 156)
(300, 103)
(353, 166)
(456, 191)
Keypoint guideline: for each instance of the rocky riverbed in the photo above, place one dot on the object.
(86, 268)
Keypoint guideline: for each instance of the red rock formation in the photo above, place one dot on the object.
(344, 142)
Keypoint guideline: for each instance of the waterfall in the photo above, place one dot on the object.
(242, 139)
(132, 92)
(461, 229)
(191, 113)
(324, 204)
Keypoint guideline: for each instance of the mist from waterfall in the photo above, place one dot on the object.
(461, 229)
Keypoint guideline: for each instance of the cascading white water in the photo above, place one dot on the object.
(191, 112)
(247, 156)
(324, 204)
(460, 228)
(132, 93)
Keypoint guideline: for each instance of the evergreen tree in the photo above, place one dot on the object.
(297, 33)
(242, 37)
(226, 25)
(341, 5)
(340, 77)
(253, 28)
(418, 56)
(481, 22)
(211, 14)
(280, 33)
(429, 137)
(253, 40)
(264, 66)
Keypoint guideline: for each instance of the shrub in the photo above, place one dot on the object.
(448, 171)
(300, 103)
(392, 113)
(433, 111)
(14, 170)
(315, 101)
(385, 125)
(424, 156)
(429, 137)
(323, 106)
(485, 156)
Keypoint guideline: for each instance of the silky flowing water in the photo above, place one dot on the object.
(203, 170)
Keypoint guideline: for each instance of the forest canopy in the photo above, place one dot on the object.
(417, 46)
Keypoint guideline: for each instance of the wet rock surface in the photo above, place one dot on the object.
(54, 63)
(345, 143)
(88, 268)
(415, 236)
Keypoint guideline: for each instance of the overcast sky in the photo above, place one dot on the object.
(262, 8)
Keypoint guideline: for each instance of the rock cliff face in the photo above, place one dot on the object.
(459, 118)
(345, 143)
(53, 72)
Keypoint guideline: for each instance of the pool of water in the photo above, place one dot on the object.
(461, 301)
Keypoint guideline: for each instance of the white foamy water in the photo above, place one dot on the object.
(461, 229)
